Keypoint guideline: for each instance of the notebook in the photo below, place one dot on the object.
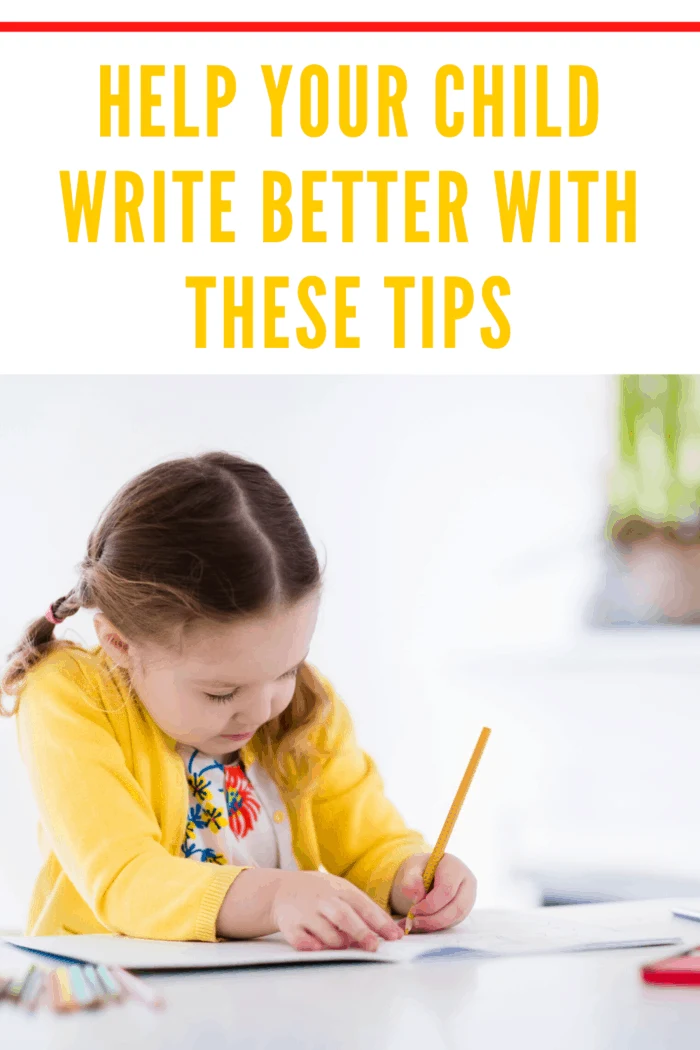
(484, 933)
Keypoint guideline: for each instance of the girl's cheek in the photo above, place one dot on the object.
(285, 699)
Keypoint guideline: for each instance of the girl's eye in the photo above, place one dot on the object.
(223, 697)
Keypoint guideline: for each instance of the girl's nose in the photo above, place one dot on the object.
(260, 709)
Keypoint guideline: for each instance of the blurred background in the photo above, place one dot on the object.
(517, 552)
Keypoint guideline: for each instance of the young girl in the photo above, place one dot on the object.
(196, 778)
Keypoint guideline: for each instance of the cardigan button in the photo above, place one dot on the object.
(278, 816)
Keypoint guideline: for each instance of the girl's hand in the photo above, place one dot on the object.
(314, 910)
(449, 901)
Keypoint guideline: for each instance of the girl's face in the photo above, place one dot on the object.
(225, 681)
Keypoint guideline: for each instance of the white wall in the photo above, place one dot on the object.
(460, 518)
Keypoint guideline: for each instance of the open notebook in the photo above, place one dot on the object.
(484, 933)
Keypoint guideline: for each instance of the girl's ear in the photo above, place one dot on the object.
(114, 644)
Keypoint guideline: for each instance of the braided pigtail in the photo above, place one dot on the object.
(38, 640)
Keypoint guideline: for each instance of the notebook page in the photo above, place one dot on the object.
(523, 933)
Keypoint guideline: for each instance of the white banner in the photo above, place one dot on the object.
(349, 202)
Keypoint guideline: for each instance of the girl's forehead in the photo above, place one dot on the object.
(250, 646)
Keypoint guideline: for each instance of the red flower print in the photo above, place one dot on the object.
(243, 806)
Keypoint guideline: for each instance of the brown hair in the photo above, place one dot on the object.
(211, 537)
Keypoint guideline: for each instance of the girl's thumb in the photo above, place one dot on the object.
(414, 888)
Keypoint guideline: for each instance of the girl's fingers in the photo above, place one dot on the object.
(304, 941)
(450, 876)
(413, 888)
(373, 915)
(440, 896)
(411, 879)
(346, 920)
(456, 910)
(330, 935)
(350, 919)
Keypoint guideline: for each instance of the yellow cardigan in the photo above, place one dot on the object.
(112, 796)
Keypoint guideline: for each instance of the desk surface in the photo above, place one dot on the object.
(587, 1001)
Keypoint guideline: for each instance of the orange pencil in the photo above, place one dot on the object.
(60, 991)
(451, 819)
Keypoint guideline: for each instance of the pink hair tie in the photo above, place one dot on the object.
(50, 615)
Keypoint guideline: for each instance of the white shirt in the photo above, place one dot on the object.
(234, 815)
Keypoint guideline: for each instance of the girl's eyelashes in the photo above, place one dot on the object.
(220, 697)
(223, 697)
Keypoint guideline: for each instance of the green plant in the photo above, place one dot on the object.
(656, 476)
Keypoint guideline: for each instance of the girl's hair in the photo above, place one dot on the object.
(211, 537)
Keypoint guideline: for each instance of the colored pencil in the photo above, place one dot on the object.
(82, 992)
(138, 988)
(451, 819)
(16, 983)
(32, 989)
(61, 997)
(94, 983)
(113, 990)
(13, 988)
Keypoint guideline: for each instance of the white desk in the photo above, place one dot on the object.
(590, 1001)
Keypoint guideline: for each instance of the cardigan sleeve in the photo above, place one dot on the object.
(99, 822)
(360, 833)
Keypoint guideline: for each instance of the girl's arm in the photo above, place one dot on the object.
(361, 834)
(98, 820)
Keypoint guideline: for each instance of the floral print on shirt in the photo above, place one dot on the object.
(240, 806)
(243, 806)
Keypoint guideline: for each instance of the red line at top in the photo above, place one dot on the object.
(350, 27)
